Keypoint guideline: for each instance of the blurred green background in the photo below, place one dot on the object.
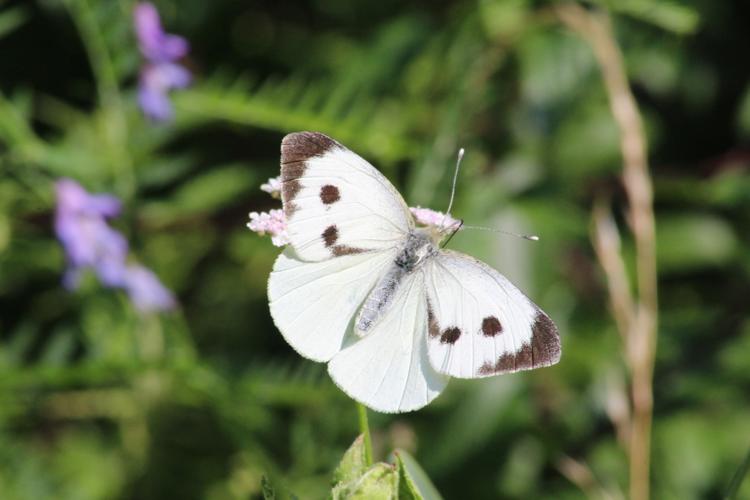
(98, 401)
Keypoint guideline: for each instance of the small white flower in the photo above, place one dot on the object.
(272, 187)
(273, 223)
(429, 217)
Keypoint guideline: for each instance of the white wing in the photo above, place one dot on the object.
(388, 370)
(313, 303)
(335, 202)
(481, 324)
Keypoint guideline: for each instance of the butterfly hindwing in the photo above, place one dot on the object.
(388, 370)
(480, 324)
(313, 303)
(335, 202)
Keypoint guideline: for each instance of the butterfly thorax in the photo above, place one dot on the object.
(415, 251)
(419, 246)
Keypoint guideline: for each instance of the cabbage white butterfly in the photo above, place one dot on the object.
(365, 289)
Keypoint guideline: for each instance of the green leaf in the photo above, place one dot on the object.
(743, 114)
(503, 19)
(11, 19)
(354, 463)
(738, 477)
(206, 193)
(691, 241)
(379, 482)
(372, 125)
(665, 14)
(413, 481)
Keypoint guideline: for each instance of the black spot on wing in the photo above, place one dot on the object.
(330, 236)
(450, 335)
(491, 326)
(329, 194)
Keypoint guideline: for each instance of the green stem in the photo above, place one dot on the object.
(110, 98)
(736, 482)
(364, 429)
(98, 53)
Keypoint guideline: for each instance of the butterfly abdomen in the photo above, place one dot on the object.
(416, 249)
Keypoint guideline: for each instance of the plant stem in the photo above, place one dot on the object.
(364, 429)
(114, 122)
(736, 482)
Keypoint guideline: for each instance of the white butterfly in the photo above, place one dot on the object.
(363, 288)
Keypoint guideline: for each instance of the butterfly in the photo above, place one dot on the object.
(366, 289)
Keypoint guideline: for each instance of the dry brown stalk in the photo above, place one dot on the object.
(636, 318)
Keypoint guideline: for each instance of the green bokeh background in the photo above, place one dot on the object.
(99, 402)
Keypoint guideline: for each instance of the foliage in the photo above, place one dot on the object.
(99, 401)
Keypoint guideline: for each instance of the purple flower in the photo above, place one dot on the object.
(81, 225)
(160, 73)
(146, 291)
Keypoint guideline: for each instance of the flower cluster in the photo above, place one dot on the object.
(274, 222)
(429, 217)
(272, 187)
(160, 73)
(81, 225)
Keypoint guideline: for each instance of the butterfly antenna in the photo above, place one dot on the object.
(456, 228)
(530, 237)
(455, 179)
(453, 188)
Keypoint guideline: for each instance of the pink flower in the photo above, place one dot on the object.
(428, 217)
(273, 223)
(272, 187)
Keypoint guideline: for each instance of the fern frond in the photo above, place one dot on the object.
(370, 126)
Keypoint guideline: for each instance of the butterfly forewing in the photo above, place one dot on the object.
(335, 202)
(480, 324)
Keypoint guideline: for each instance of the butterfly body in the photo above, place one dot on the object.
(419, 246)
(366, 290)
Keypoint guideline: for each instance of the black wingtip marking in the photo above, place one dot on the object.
(545, 341)
(296, 149)
(301, 146)
(544, 350)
